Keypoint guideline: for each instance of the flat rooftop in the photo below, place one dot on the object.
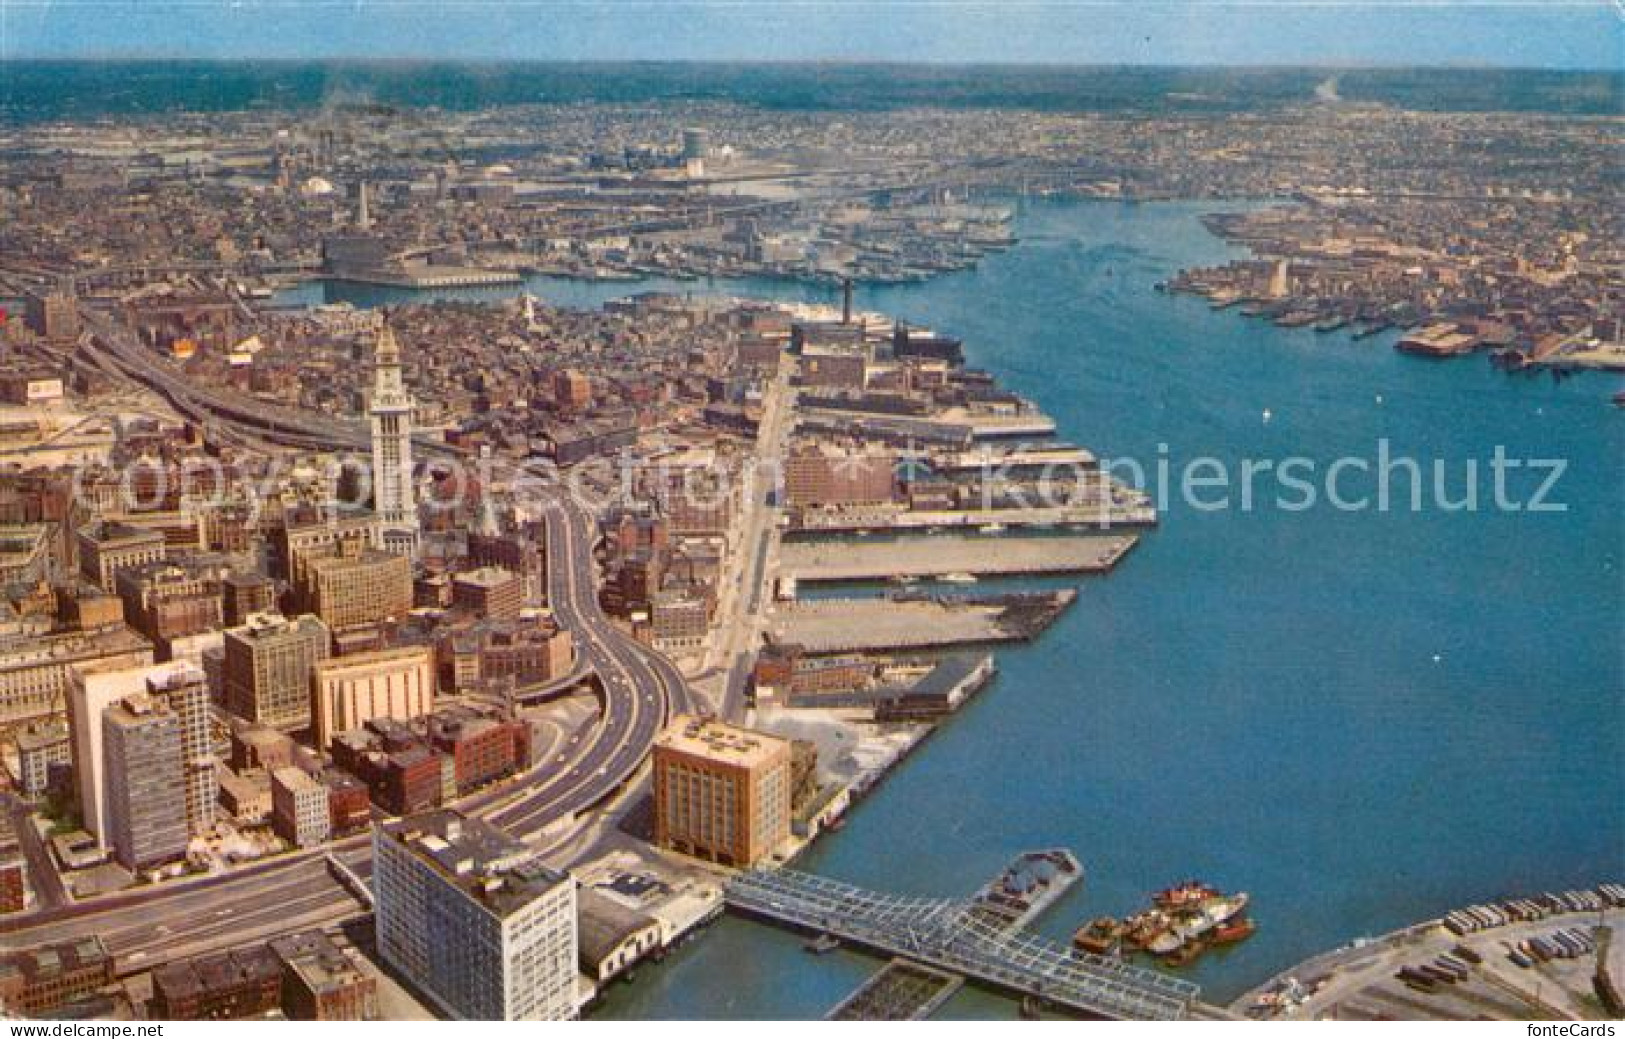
(719, 741)
(490, 866)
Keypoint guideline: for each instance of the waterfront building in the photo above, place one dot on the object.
(613, 936)
(391, 411)
(721, 792)
(267, 669)
(145, 794)
(347, 692)
(826, 476)
(470, 916)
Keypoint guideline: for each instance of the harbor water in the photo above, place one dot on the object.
(1362, 718)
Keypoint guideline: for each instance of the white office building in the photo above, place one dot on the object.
(471, 917)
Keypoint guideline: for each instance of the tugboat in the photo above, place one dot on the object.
(1101, 936)
(1191, 892)
(1237, 930)
(1182, 922)
(823, 944)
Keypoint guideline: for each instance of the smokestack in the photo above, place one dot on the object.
(846, 301)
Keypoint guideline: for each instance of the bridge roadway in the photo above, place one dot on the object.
(638, 690)
(950, 935)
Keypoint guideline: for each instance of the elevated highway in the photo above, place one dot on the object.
(638, 690)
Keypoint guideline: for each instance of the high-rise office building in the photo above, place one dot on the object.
(391, 410)
(469, 915)
(186, 692)
(268, 664)
(93, 689)
(145, 783)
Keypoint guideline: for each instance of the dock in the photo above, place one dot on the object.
(1102, 515)
(981, 555)
(902, 990)
(1476, 963)
(915, 622)
(1027, 888)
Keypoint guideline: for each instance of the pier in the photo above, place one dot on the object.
(901, 991)
(1544, 957)
(916, 622)
(955, 936)
(1102, 515)
(978, 555)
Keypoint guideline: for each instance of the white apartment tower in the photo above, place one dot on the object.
(391, 410)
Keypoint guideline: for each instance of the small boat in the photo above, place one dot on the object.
(1191, 892)
(1619, 399)
(822, 945)
(959, 578)
(1236, 930)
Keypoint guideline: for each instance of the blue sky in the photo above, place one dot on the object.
(1536, 33)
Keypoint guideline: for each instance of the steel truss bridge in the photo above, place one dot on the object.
(952, 935)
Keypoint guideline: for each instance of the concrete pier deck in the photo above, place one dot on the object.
(902, 990)
(979, 554)
(873, 625)
(880, 518)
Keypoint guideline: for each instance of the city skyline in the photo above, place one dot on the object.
(1554, 34)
